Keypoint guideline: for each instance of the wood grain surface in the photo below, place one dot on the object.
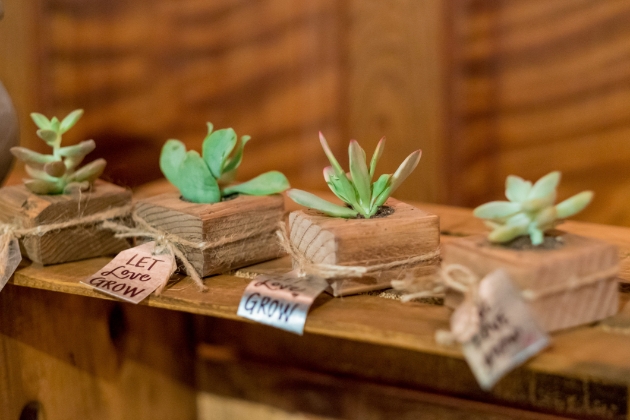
(22, 208)
(537, 86)
(585, 372)
(407, 233)
(572, 284)
(70, 357)
(240, 232)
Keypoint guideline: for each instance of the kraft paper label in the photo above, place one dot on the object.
(11, 258)
(134, 274)
(505, 333)
(281, 301)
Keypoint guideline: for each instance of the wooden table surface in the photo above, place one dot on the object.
(592, 362)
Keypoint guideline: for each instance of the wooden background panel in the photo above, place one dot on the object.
(145, 71)
(538, 86)
(396, 67)
(71, 357)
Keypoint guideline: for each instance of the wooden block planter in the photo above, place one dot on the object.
(26, 209)
(565, 267)
(241, 231)
(406, 233)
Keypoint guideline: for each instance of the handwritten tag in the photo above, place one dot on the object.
(11, 258)
(281, 301)
(133, 274)
(506, 333)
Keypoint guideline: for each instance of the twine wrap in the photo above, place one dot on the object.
(333, 271)
(9, 231)
(462, 279)
(163, 240)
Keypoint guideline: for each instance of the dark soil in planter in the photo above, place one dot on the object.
(224, 198)
(525, 243)
(382, 211)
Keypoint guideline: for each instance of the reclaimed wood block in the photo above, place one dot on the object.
(20, 206)
(406, 233)
(565, 268)
(241, 231)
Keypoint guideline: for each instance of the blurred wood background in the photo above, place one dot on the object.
(485, 88)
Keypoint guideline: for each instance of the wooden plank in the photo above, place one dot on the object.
(523, 100)
(69, 357)
(396, 87)
(252, 389)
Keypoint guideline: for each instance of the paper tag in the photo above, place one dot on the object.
(133, 274)
(507, 333)
(281, 301)
(12, 257)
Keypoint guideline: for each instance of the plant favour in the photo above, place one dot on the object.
(356, 188)
(206, 178)
(530, 209)
(57, 173)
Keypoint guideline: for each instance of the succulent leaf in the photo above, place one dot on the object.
(216, 149)
(55, 124)
(574, 205)
(405, 168)
(80, 149)
(376, 156)
(39, 186)
(75, 187)
(70, 120)
(360, 175)
(40, 121)
(195, 181)
(272, 182)
(235, 161)
(55, 169)
(516, 188)
(171, 158)
(89, 172)
(378, 189)
(497, 210)
(545, 187)
(28, 156)
(530, 210)
(38, 172)
(49, 136)
(314, 202)
(507, 233)
(334, 184)
(536, 235)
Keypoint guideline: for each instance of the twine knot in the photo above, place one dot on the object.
(334, 271)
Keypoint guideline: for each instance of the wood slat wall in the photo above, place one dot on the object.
(541, 85)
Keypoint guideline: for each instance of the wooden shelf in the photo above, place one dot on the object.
(594, 355)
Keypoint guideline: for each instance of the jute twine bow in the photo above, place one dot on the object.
(163, 241)
(331, 271)
(9, 231)
(465, 319)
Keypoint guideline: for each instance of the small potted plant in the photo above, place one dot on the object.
(58, 192)
(389, 238)
(236, 222)
(567, 279)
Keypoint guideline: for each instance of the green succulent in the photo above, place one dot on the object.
(57, 173)
(356, 188)
(530, 209)
(206, 178)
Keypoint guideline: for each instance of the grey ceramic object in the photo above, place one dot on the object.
(9, 132)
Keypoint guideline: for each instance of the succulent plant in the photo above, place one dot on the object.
(57, 173)
(530, 209)
(356, 188)
(206, 178)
